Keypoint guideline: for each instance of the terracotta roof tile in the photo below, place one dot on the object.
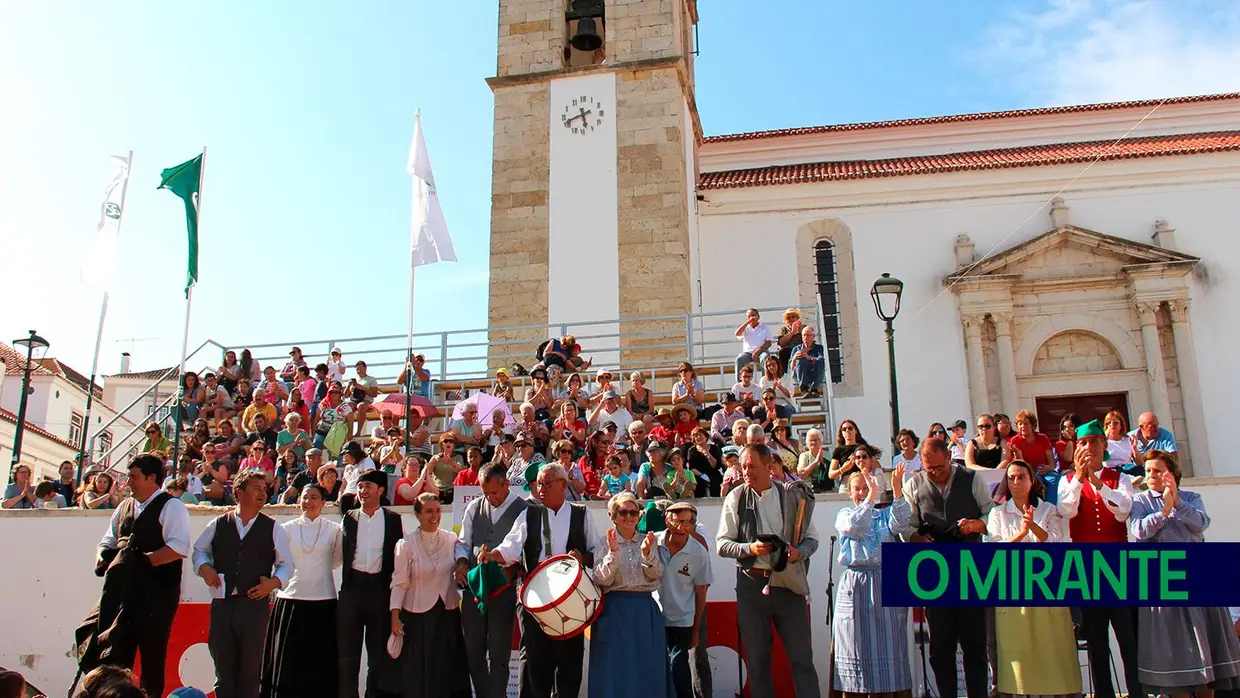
(1003, 158)
(144, 375)
(960, 118)
(12, 418)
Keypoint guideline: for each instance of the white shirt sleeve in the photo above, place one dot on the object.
(202, 548)
(174, 520)
(109, 536)
(514, 542)
(462, 543)
(284, 556)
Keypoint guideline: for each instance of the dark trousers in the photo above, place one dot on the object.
(788, 613)
(1096, 624)
(678, 641)
(703, 684)
(150, 637)
(362, 616)
(236, 638)
(488, 641)
(966, 627)
(547, 663)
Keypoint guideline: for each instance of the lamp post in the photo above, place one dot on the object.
(886, 293)
(31, 343)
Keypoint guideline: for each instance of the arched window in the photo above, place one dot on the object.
(826, 281)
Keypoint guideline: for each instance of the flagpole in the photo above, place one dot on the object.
(409, 370)
(189, 298)
(103, 313)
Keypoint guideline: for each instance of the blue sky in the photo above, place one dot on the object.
(307, 110)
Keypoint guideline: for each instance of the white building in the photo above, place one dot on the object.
(131, 391)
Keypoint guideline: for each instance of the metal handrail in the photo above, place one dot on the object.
(142, 424)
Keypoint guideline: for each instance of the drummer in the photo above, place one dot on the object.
(547, 663)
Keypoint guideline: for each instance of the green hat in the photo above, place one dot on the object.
(652, 519)
(485, 582)
(1089, 430)
(531, 474)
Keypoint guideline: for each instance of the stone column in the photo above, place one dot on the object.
(1008, 401)
(978, 402)
(1190, 390)
(1159, 403)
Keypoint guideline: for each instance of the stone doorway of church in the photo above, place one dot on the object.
(1089, 406)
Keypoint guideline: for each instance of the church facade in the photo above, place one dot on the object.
(1066, 259)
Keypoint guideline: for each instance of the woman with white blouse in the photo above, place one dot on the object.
(1037, 647)
(303, 621)
(425, 607)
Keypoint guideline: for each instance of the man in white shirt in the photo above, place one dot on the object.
(682, 594)
(218, 404)
(362, 616)
(609, 410)
(244, 558)
(755, 338)
(548, 664)
(194, 487)
(139, 559)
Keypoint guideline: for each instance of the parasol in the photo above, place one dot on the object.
(394, 404)
(486, 404)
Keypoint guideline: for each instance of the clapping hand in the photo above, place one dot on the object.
(647, 544)
(897, 481)
(1171, 495)
(613, 541)
(1026, 518)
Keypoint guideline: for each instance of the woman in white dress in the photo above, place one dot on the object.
(303, 621)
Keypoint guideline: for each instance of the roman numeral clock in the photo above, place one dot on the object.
(582, 114)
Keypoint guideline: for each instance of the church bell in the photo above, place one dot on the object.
(587, 37)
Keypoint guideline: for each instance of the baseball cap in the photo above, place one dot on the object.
(294, 350)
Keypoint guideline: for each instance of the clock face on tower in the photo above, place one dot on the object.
(582, 114)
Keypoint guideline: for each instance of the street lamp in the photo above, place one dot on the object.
(886, 293)
(31, 343)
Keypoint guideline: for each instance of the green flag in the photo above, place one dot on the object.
(183, 180)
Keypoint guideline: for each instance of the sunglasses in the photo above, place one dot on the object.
(628, 513)
(848, 428)
(939, 432)
(985, 426)
(861, 456)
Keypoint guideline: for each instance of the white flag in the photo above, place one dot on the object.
(429, 239)
(97, 269)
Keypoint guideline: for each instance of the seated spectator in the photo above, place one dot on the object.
(101, 495)
(602, 386)
(609, 410)
(573, 392)
(617, 479)
(415, 370)
(192, 485)
(296, 360)
(681, 482)
(747, 391)
(639, 401)
(570, 427)
(789, 336)
(539, 394)
(362, 391)
(20, 492)
(308, 476)
(46, 496)
(494, 435)
(473, 462)
(229, 372)
(332, 409)
(732, 474)
(528, 458)
(664, 424)
(809, 365)
(652, 476)
(387, 421)
(217, 403)
(1119, 446)
(259, 459)
(768, 411)
(329, 480)
(415, 480)
(276, 389)
(293, 439)
(419, 435)
(445, 466)
(987, 450)
(197, 438)
(216, 477)
(773, 378)
(705, 460)
(784, 446)
(192, 396)
(908, 456)
(260, 406)
(502, 387)
(466, 431)
(688, 390)
(505, 451)
(287, 468)
(686, 422)
(243, 397)
(531, 428)
(177, 488)
(156, 442)
(592, 464)
(780, 472)
(1149, 436)
(847, 438)
(740, 433)
(1065, 447)
(814, 463)
(296, 405)
(67, 485)
(262, 432)
(356, 463)
(957, 440)
(1003, 424)
(562, 455)
(335, 366)
(639, 438)
(228, 443)
(755, 435)
(722, 420)
(250, 370)
(755, 339)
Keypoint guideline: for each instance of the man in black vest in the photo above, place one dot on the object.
(949, 504)
(485, 523)
(548, 664)
(139, 559)
(771, 589)
(362, 617)
(244, 557)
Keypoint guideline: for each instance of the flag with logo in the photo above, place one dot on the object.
(185, 180)
(98, 268)
(429, 238)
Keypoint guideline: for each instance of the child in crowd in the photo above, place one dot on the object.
(616, 480)
(681, 482)
(502, 387)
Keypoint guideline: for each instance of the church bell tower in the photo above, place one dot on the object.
(594, 168)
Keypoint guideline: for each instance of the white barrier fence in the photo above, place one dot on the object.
(48, 572)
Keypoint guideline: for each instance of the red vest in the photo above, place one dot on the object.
(1094, 522)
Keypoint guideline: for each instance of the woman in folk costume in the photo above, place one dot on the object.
(1037, 647)
(628, 642)
(304, 618)
(1182, 650)
(871, 656)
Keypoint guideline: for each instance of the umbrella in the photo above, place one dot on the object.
(394, 403)
(486, 404)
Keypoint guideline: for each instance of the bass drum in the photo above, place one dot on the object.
(561, 597)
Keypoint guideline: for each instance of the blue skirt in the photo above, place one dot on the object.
(871, 640)
(628, 649)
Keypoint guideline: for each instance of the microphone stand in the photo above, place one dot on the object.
(921, 645)
(831, 692)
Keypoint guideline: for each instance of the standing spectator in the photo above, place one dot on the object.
(1148, 436)
(809, 365)
(421, 378)
(295, 361)
(688, 390)
(217, 403)
(356, 465)
(306, 386)
(639, 400)
(773, 378)
(722, 420)
(335, 365)
(193, 483)
(66, 485)
(445, 467)
(230, 371)
(321, 384)
(789, 336)
(987, 450)
(1119, 446)
(362, 392)
(705, 461)
(502, 387)
(755, 340)
(814, 463)
(908, 455)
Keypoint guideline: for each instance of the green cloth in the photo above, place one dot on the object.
(653, 520)
(531, 474)
(184, 180)
(485, 582)
(1089, 429)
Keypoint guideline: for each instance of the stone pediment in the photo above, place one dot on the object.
(1070, 252)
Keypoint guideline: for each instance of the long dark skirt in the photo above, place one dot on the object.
(628, 649)
(294, 663)
(1185, 649)
(432, 658)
